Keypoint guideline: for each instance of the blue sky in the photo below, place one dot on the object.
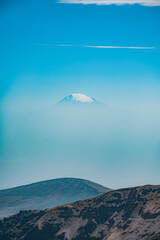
(49, 50)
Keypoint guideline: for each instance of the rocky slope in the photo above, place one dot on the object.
(125, 214)
(47, 194)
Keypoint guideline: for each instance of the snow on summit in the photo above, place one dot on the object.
(78, 98)
(81, 98)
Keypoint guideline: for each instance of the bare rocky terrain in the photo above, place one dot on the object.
(125, 214)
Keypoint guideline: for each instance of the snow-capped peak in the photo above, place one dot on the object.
(78, 97)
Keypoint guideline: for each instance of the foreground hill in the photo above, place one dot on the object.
(125, 214)
(47, 194)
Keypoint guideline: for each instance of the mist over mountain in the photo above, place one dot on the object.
(89, 141)
(47, 194)
(125, 214)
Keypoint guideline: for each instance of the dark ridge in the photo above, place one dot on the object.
(47, 194)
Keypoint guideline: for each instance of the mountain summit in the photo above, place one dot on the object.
(78, 98)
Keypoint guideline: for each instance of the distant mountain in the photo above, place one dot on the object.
(125, 214)
(78, 98)
(47, 194)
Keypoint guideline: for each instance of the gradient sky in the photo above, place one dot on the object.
(50, 49)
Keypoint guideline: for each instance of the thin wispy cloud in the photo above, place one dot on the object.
(107, 47)
(93, 46)
(150, 3)
(66, 45)
(119, 47)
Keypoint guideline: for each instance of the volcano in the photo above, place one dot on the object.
(78, 98)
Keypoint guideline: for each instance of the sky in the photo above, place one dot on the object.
(106, 49)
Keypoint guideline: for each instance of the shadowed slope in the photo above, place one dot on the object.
(47, 194)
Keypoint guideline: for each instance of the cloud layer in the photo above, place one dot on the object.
(117, 2)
